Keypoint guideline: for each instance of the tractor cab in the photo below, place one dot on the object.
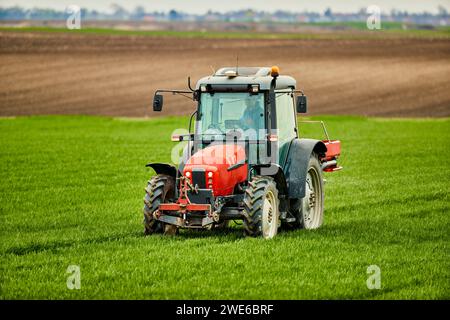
(244, 159)
(243, 103)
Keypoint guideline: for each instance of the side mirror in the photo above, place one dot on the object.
(302, 104)
(157, 102)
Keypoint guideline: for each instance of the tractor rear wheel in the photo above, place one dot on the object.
(261, 212)
(310, 213)
(160, 189)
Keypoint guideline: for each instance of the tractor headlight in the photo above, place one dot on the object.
(188, 174)
(210, 180)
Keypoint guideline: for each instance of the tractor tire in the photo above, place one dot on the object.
(160, 189)
(261, 208)
(309, 210)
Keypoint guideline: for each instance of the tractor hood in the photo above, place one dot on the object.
(217, 167)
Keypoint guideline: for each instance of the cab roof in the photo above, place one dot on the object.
(247, 76)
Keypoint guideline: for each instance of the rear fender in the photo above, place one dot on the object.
(297, 161)
(163, 168)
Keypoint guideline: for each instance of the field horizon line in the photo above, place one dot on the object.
(168, 116)
(350, 34)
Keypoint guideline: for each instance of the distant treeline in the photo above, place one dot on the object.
(442, 18)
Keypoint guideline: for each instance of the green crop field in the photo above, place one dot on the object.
(353, 31)
(71, 194)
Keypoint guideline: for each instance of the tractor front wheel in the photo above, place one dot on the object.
(160, 189)
(261, 212)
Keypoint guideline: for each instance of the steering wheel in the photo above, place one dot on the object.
(237, 133)
(215, 126)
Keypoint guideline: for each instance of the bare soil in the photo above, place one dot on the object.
(61, 73)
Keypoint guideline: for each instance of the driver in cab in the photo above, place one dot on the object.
(253, 116)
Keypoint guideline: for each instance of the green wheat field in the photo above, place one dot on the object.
(71, 194)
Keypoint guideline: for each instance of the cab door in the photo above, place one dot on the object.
(286, 122)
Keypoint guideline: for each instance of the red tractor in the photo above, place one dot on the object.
(244, 161)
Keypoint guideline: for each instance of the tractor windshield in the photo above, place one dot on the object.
(224, 111)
